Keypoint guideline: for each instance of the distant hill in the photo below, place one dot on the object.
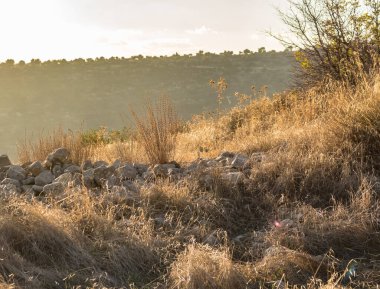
(39, 96)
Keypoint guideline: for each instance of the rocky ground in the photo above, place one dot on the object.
(57, 173)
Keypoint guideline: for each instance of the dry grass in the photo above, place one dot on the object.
(157, 130)
(203, 267)
(319, 174)
(29, 150)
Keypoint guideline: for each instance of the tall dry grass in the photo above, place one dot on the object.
(30, 150)
(157, 130)
(319, 174)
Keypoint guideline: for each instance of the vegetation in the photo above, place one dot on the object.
(334, 38)
(310, 208)
(83, 94)
(157, 130)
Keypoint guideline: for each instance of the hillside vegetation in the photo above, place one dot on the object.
(37, 97)
(278, 192)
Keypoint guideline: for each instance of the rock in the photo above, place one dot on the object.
(4, 161)
(239, 161)
(175, 174)
(54, 188)
(103, 173)
(141, 168)
(27, 189)
(73, 169)
(117, 164)
(14, 182)
(44, 178)
(16, 173)
(126, 172)
(37, 189)
(70, 180)
(86, 165)
(119, 194)
(226, 155)
(35, 168)
(57, 170)
(148, 175)
(47, 164)
(9, 190)
(233, 178)
(109, 183)
(28, 181)
(59, 155)
(162, 170)
(98, 164)
(88, 178)
(213, 163)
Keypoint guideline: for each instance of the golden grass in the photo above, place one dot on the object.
(157, 130)
(320, 172)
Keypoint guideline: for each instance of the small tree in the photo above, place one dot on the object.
(338, 39)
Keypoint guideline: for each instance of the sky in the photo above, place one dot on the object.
(56, 29)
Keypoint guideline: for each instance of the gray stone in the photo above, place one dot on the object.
(73, 169)
(239, 161)
(44, 178)
(4, 161)
(57, 170)
(119, 194)
(103, 173)
(54, 188)
(28, 181)
(9, 190)
(35, 168)
(98, 164)
(227, 155)
(117, 164)
(37, 189)
(162, 170)
(27, 189)
(126, 172)
(88, 178)
(7, 181)
(59, 155)
(109, 183)
(86, 165)
(64, 179)
(16, 173)
(141, 168)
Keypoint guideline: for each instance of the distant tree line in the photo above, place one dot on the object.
(200, 53)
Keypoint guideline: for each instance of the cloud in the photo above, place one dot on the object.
(201, 31)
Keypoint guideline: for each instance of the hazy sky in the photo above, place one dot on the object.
(54, 29)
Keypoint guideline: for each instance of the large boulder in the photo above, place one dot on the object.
(16, 173)
(44, 178)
